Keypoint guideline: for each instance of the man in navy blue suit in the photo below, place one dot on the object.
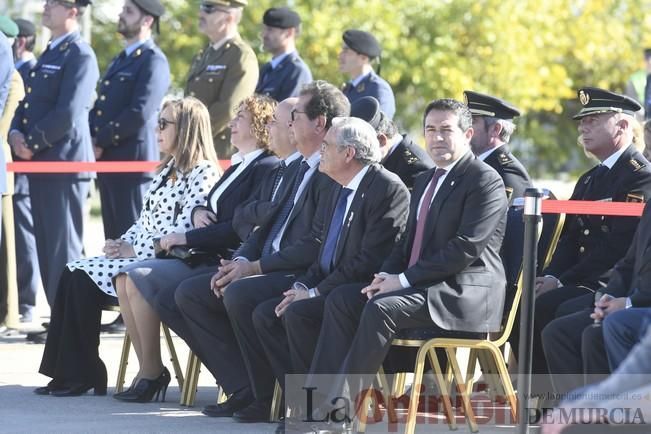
(51, 124)
(358, 50)
(122, 122)
(284, 75)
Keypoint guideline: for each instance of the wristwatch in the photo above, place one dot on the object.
(312, 292)
(629, 303)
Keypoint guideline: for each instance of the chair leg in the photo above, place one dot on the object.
(470, 370)
(124, 360)
(189, 390)
(173, 357)
(275, 403)
(444, 384)
(461, 388)
(506, 381)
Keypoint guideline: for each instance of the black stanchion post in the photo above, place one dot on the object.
(532, 219)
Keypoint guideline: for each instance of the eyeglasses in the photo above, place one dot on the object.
(293, 114)
(163, 123)
(209, 8)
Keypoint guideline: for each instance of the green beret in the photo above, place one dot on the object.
(8, 26)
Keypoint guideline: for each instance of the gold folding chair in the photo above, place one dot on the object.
(126, 347)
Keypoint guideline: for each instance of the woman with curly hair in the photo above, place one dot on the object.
(148, 289)
(186, 174)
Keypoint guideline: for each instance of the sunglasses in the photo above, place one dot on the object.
(163, 123)
(293, 114)
(209, 8)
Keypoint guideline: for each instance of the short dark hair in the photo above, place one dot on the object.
(386, 127)
(30, 42)
(326, 100)
(451, 105)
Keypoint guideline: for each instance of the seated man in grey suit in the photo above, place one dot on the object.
(365, 216)
(445, 273)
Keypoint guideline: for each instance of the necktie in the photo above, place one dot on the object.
(333, 231)
(592, 191)
(417, 244)
(285, 211)
(279, 177)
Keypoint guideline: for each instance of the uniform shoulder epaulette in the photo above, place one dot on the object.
(503, 158)
(636, 164)
(409, 156)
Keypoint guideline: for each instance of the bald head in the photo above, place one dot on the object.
(283, 142)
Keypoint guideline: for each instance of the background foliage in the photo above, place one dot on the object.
(532, 53)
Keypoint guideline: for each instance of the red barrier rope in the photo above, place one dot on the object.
(87, 166)
(622, 209)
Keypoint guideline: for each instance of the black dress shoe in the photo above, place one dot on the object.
(79, 389)
(46, 390)
(257, 411)
(239, 400)
(145, 390)
(115, 327)
(37, 337)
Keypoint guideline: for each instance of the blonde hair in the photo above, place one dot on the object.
(193, 141)
(261, 108)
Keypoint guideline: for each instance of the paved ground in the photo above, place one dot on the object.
(21, 411)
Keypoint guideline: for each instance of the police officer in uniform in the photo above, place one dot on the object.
(24, 46)
(492, 120)
(286, 73)
(357, 52)
(123, 120)
(226, 71)
(400, 154)
(51, 124)
(590, 245)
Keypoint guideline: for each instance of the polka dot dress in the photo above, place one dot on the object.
(166, 197)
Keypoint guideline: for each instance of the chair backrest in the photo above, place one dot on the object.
(552, 225)
(512, 252)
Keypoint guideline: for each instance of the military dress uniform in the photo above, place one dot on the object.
(286, 79)
(53, 117)
(28, 276)
(122, 123)
(515, 176)
(221, 78)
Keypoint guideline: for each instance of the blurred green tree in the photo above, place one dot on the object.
(534, 54)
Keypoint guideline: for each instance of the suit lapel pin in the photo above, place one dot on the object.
(451, 183)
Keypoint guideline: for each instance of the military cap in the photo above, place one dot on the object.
(282, 18)
(368, 109)
(8, 26)
(486, 105)
(362, 43)
(25, 27)
(227, 3)
(151, 7)
(80, 3)
(595, 101)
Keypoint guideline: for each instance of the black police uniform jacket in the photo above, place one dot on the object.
(408, 160)
(285, 80)
(591, 245)
(123, 120)
(515, 176)
(54, 114)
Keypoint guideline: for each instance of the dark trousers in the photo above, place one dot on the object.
(575, 352)
(289, 341)
(550, 305)
(58, 213)
(241, 301)
(71, 353)
(27, 270)
(214, 334)
(622, 331)
(121, 202)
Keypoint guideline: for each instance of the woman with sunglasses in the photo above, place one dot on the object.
(184, 178)
(147, 295)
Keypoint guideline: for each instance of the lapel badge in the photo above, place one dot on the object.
(584, 97)
(137, 53)
(451, 183)
(64, 46)
(350, 218)
(587, 179)
(360, 87)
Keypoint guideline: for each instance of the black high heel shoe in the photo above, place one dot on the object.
(146, 390)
